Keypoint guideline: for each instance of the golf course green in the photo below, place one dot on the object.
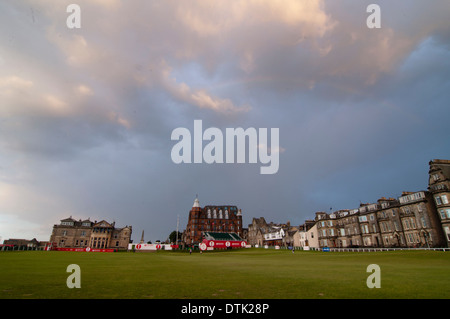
(238, 274)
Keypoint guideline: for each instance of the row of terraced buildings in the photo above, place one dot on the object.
(415, 219)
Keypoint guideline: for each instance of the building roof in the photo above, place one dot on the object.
(442, 165)
(196, 202)
(222, 236)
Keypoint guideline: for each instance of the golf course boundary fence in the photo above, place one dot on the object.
(383, 249)
(353, 249)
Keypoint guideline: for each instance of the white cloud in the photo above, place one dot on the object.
(200, 97)
(15, 82)
(55, 106)
(207, 19)
(84, 90)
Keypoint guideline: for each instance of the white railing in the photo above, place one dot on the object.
(334, 249)
(383, 249)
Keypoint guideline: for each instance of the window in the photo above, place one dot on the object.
(364, 229)
(67, 223)
(447, 232)
(438, 200)
(445, 213)
(444, 199)
(424, 222)
(406, 224)
(410, 238)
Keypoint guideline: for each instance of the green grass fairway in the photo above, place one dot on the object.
(242, 274)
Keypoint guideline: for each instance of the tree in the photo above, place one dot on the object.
(173, 236)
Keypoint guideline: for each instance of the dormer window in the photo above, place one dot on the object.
(67, 223)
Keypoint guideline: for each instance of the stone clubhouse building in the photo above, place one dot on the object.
(72, 233)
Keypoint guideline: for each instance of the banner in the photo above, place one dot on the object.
(87, 249)
(222, 244)
(142, 247)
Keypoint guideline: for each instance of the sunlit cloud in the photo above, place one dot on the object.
(200, 97)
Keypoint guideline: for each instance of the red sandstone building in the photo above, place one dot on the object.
(221, 219)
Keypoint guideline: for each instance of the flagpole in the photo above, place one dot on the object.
(178, 222)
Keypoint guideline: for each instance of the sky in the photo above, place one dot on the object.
(86, 114)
